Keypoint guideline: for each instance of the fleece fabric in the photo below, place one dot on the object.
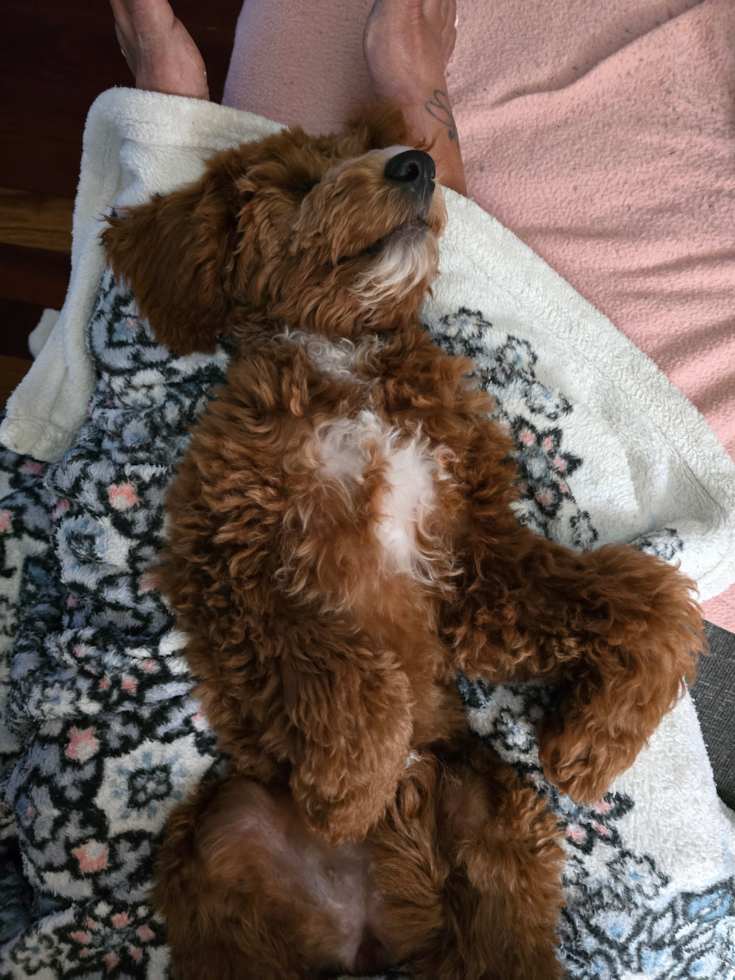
(100, 738)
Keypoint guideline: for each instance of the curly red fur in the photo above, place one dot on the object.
(342, 541)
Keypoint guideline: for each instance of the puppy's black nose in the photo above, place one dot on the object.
(414, 170)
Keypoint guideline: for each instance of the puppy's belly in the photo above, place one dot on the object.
(254, 839)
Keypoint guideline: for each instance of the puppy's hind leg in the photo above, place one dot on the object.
(503, 894)
(467, 865)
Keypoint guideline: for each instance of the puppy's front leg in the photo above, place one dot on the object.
(344, 724)
(617, 629)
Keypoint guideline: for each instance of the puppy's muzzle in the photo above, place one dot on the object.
(414, 171)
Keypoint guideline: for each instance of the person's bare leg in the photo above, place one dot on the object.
(407, 45)
(159, 49)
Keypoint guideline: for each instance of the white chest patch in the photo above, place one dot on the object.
(407, 492)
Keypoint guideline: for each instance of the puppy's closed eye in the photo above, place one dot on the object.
(302, 185)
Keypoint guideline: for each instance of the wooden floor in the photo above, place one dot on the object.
(55, 59)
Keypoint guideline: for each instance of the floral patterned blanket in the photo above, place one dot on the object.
(99, 736)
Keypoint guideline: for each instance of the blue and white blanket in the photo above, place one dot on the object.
(99, 738)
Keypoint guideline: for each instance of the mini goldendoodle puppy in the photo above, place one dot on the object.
(342, 542)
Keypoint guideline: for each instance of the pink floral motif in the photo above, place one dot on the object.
(80, 936)
(111, 960)
(145, 583)
(602, 806)
(149, 666)
(83, 953)
(575, 833)
(602, 831)
(61, 508)
(129, 684)
(33, 467)
(144, 934)
(82, 744)
(122, 496)
(560, 464)
(70, 602)
(199, 721)
(92, 856)
(136, 952)
(544, 498)
(120, 920)
(527, 437)
(5, 524)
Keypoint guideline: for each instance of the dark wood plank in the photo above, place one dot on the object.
(56, 59)
(35, 220)
(33, 275)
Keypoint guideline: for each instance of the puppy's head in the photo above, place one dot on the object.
(335, 234)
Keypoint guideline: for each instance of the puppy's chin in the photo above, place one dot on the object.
(410, 256)
(413, 232)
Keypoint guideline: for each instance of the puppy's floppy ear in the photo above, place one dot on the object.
(381, 124)
(178, 255)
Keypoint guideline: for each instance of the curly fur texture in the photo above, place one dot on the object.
(342, 542)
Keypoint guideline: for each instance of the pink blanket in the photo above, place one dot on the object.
(603, 135)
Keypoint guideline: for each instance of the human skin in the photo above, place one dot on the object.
(159, 50)
(407, 45)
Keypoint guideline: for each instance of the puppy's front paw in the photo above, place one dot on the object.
(343, 821)
(635, 648)
(581, 759)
